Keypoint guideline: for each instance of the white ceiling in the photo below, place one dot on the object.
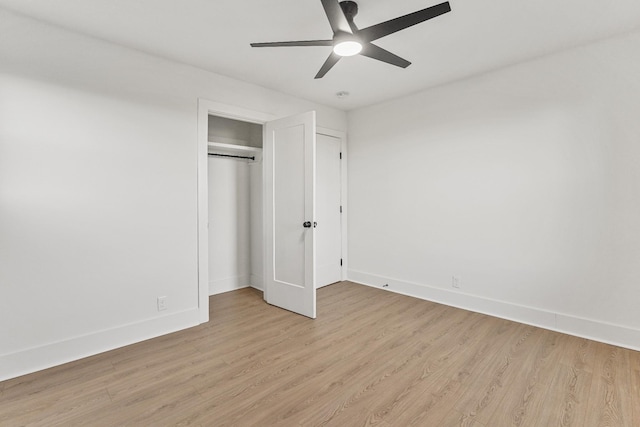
(477, 36)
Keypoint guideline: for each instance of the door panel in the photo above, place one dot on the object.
(289, 168)
(289, 206)
(328, 199)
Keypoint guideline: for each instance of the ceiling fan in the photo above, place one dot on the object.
(348, 40)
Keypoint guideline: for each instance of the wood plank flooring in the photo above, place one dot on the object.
(371, 358)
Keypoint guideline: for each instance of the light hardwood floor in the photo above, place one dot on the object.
(371, 358)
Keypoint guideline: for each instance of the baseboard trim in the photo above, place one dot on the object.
(608, 333)
(220, 286)
(257, 282)
(35, 359)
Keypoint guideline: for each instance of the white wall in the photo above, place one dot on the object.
(229, 225)
(98, 209)
(525, 182)
(235, 225)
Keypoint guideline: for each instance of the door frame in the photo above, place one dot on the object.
(205, 108)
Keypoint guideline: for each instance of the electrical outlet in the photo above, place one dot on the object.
(455, 281)
(162, 303)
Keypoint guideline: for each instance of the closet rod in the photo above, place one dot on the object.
(231, 155)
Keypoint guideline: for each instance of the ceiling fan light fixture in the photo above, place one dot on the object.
(349, 40)
(347, 48)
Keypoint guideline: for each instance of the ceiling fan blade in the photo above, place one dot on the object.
(376, 52)
(337, 20)
(328, 64)
(295, 43)
(374, 32)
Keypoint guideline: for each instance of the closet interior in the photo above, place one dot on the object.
(235, 204)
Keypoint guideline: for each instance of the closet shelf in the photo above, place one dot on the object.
(235, 150)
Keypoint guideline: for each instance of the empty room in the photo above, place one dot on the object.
(320, 213)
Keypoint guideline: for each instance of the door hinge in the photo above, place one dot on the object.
(340, 208)
(341, 155)
(341, 261)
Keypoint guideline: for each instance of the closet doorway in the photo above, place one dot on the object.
(233, 249)
(234, 164)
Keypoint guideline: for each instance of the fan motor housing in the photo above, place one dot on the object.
(350, 9)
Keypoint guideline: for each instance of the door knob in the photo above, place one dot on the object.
(307, 224)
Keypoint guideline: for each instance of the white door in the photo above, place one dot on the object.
(289, 201)
(328, 211)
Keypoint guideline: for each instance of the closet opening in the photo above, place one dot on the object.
(234, 166)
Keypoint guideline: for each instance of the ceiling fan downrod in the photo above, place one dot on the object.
(350, 9)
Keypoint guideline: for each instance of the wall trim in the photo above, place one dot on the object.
(257, 282)
(42, 357)
(220, 286)
(595, 330)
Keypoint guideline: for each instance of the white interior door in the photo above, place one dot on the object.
(328, 210)
(289, 200)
